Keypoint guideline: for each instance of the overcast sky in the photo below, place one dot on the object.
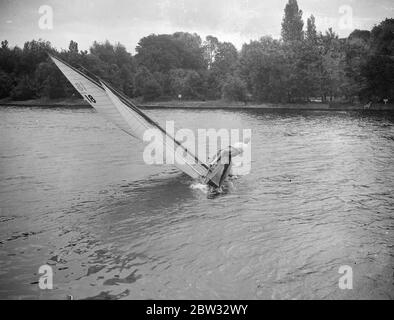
(127, 21)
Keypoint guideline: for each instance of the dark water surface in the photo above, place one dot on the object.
(76, 194)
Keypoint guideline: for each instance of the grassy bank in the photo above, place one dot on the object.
(215, 104)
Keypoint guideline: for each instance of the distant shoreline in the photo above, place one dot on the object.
(215, 104)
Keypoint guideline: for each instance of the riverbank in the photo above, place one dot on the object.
(46, 103)
(220, 104)
(215, 104)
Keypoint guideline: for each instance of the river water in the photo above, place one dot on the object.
(76, 195)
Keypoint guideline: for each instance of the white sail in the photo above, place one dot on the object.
(119, 110)
(182, 160)
(95, 95)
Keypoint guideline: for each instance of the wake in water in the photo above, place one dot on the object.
(200, 186)
(226, 188)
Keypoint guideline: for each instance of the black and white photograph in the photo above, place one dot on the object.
(196, 150)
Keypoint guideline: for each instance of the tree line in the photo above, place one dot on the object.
(304, 65)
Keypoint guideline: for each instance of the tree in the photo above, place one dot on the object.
(333, 78)
(104, 51)
(7, 58)
(49, 81)
(191, 50)
(151, 90)
(263, 67)
(125, 75)
(296, 62)
(311, 33)
(234, 89)
(226, 59)
(158, 53)
(73, 47)
(210, 49)
(34, 52)
(142, 77)
(165, 52)
(24, 90)
(110, 62)
(223, 62)
(5, 84)
(4, 44)
(188, 83)
(292, 24)
(297, 67)
(212, 84)
(382, 38)
(312, 58)
(379, 65)
(379, 72)
(356, 49)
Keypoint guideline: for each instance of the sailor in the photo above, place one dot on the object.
(220, 167)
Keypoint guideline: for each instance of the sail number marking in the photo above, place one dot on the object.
(90, 98)
(82, 89)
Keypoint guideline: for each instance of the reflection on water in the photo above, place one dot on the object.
(75, 194)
